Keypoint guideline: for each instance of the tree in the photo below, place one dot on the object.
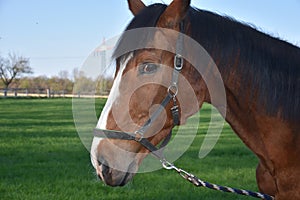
(13, 67)
(65, 82)
(83, 83)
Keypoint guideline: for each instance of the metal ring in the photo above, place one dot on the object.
(167, 165)
(138, 136)
(173, 90)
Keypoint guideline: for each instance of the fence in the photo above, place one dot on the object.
(46, 93)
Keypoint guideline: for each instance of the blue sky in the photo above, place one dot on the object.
(60, 34)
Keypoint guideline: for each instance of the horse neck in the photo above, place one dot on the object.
(260, 75)
(258, 70)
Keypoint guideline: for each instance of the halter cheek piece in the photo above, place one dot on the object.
(172, 92)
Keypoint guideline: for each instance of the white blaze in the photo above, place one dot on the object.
(113, 95)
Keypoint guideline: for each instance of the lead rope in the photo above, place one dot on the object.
(200, 183)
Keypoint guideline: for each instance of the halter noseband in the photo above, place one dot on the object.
(172, 92)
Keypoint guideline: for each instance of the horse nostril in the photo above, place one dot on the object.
(99, 163)
(105, 170)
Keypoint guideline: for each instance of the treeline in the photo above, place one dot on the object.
(43, 82)
(63, 83)
(13, 69)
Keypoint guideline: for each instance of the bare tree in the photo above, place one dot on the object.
(13, 67)
(64, 74)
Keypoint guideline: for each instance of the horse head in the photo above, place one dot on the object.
(143, 79)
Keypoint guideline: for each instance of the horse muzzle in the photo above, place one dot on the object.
(114, 177)
(113, 167)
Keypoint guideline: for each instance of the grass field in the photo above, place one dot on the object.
(42, 157)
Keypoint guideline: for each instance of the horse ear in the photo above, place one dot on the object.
(174, 13)
(135, 6)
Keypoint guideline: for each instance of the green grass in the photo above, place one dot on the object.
(42, 157)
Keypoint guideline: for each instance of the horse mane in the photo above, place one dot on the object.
(267, 67)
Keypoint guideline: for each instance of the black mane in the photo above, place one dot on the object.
(267, 65)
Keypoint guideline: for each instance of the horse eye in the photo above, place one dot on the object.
(148, 68)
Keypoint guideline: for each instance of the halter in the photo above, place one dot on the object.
(172, 92)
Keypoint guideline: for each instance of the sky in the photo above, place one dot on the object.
(58, 35)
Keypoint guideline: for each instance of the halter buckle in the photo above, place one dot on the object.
(178, 62)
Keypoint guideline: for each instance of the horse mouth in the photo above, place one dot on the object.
(128, 177)
(114, 177)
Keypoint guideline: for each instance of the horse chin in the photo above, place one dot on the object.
(114, 177)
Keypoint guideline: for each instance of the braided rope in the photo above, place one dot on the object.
(200, 183)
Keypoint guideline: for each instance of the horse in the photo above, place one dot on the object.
(261, 75)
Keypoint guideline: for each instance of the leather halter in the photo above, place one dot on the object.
(172, 91)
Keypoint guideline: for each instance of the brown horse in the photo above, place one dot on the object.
(261, 77)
